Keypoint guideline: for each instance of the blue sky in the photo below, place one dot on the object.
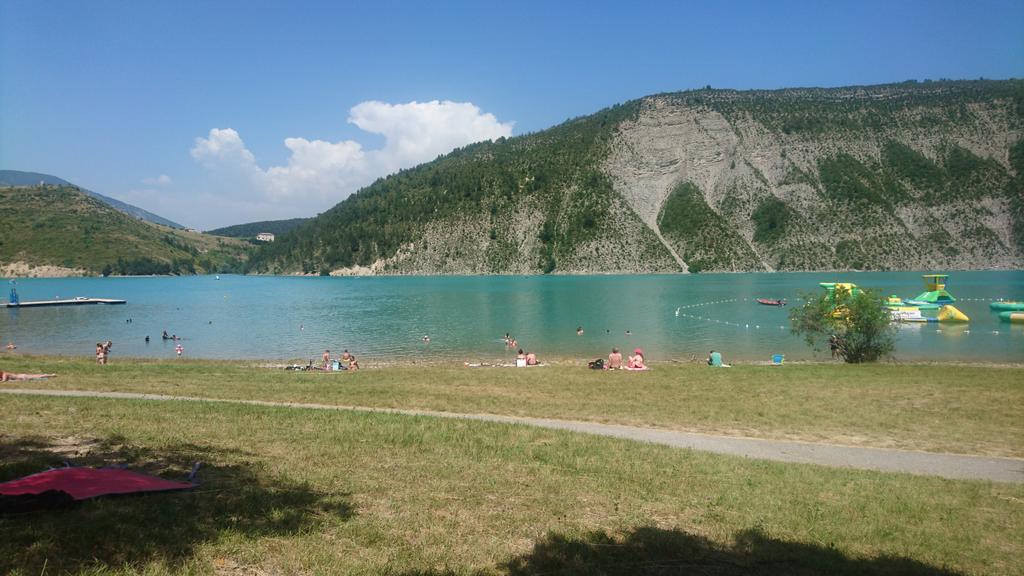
(114, 95)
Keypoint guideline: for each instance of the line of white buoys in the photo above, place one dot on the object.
(982, 299)
(701, 304)
(782, 327)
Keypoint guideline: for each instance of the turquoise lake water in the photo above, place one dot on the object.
(283, 318)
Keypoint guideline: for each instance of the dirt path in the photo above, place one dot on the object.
(886, 460)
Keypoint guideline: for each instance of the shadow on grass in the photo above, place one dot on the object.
(658, 552)
(163, 528)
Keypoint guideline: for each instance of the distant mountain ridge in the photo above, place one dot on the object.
(251, 229)
(20, 178)
(905, 176)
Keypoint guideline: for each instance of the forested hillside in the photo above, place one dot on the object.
(59, 230)
(902, 176)
(251, 229)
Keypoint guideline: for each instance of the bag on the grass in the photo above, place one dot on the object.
(596, 364)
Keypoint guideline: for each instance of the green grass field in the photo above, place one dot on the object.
(939, 408)
(293, 491)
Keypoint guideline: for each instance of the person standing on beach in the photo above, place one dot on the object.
(103, 351)
(833, 345)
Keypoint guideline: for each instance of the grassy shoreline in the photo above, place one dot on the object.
(937, 408)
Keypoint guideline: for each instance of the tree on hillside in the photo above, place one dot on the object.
(858, 319)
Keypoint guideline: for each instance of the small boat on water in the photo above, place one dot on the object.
(1007, 306)
(770, 302)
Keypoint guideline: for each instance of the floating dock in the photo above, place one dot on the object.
(72, 302)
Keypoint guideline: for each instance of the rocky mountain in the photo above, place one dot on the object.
(61, 231)
(18, 178)
(902, 176)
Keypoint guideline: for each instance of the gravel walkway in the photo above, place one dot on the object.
(886, 460)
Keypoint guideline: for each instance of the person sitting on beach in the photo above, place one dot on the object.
(327, 360)
(8, 376)
(615, 360)
(521, 355)
(636, 361)
(531, 359)
(715, 359)
(11, 346)
(352, 363)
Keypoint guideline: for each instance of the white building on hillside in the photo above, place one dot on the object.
(265, 237)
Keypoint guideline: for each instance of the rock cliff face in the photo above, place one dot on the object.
(909, 176)
(958, 220)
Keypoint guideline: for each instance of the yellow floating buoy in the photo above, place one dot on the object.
(949, 313)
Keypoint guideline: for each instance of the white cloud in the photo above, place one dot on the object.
(319, 173)
(161, 180)
(223, 146)
(417, 132)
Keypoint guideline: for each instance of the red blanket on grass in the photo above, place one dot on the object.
(85, 483)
